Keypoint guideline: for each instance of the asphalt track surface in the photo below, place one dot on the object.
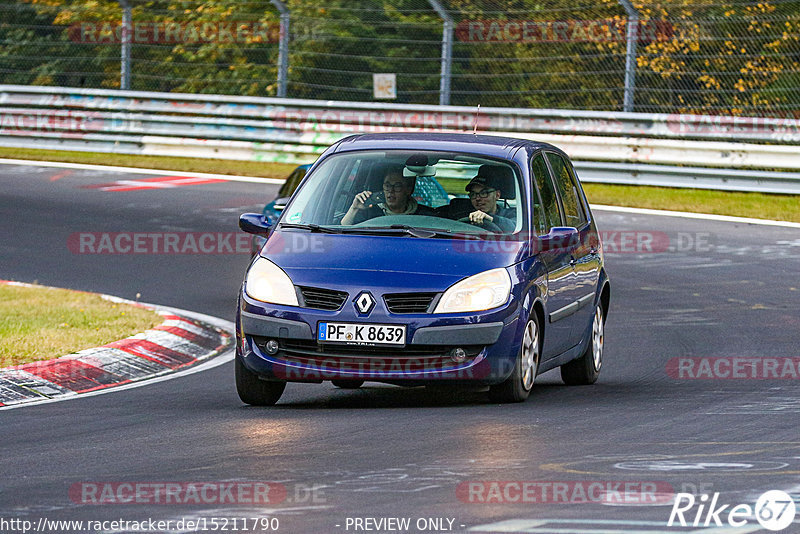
(384, 451)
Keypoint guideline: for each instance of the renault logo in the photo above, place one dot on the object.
(364, 302)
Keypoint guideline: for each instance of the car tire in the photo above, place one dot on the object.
(347, 384)
(517, 387)
(585, 370)
(252, 390)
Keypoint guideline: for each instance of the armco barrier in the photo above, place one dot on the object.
(608, 147)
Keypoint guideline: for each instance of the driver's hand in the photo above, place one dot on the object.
(360, 201)
(479, 217)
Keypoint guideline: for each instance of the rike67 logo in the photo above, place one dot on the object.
(774, 510)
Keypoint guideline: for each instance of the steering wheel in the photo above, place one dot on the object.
(488, 225)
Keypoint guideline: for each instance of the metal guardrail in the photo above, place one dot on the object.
(690, 177)
(607, 147)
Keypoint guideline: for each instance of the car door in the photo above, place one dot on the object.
(584, 255)
(556, 259)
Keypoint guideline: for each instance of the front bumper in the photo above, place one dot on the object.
(489, 341)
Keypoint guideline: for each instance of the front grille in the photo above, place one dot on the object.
(409, 302)
(355, 358)
(322, 299)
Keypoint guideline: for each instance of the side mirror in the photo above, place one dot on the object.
(280, 203)
(254, 223)
(559, 238)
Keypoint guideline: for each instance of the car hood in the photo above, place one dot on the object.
(402, 261)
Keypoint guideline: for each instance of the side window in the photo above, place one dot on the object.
(545, 215)
(582, 202)
(568, 190)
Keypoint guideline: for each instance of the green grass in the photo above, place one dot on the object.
(756, 205)
(40, 323)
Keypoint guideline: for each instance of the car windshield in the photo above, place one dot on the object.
(402, 191)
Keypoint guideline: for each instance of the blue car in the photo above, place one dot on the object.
(360, 281)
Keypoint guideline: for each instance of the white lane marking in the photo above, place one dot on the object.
(136, 170)
(592, 531)
(215, 361)
(541, 526)
(255, 179)
(510, 525)
(718, 530)
(702, 216)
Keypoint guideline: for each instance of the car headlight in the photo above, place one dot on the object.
(482, 291)
(266, 282)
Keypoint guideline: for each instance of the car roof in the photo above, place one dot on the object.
(488, 145)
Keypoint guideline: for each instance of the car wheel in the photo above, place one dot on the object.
(348, 384)
(253, 390)
(517, 387)
(586, 369)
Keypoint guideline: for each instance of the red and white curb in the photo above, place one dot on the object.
(184, 340)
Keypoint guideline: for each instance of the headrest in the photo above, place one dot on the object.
(497, 177)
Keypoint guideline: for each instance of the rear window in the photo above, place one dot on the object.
(568, 190)
(546, 214)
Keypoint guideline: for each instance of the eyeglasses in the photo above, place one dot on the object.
(396, 187)
(482, 194)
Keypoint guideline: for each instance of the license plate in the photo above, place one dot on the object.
(361, 334)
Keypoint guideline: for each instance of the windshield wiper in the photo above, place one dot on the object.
(390, 230)
(432, 232)
(412, 230)
(409, 230)
(312, 227)
(460, 235)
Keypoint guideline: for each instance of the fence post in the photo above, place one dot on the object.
(283, 48)
(447, 52)
(125, 48)
(630, 54)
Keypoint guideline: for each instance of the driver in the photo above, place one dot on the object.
(484, 192)
(397, 190)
